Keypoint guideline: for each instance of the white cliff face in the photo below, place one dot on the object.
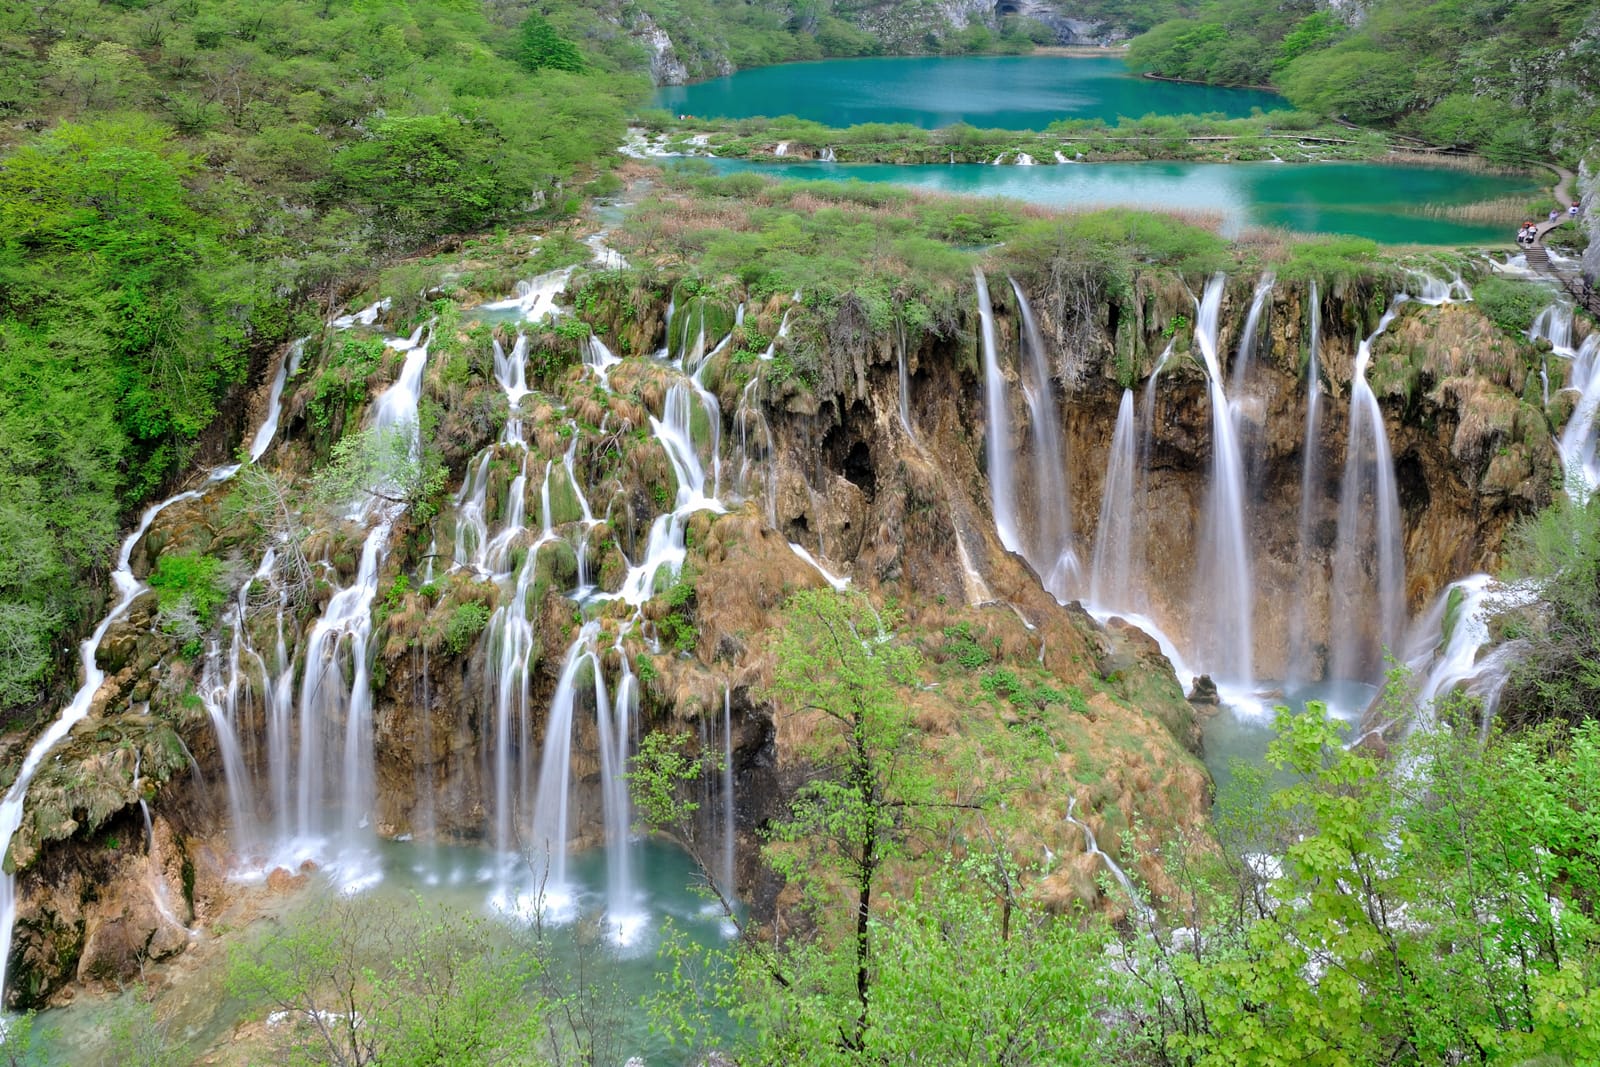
(665, 66)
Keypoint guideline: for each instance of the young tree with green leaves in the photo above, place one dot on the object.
(355, 986)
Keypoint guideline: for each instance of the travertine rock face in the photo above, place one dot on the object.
(905, 514)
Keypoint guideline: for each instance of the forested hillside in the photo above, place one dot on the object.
(181, 182)
(679, 40)
(1513, 80)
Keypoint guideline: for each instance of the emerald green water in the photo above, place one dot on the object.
(1239, 734)
(996, 92)
(1388, 203)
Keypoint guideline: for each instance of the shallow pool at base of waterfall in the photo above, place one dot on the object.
(1242, 728)
(613, 959)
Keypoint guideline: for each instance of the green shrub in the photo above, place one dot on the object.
(464, 626)
(189, 580)
(961, 646)
(1510, 304)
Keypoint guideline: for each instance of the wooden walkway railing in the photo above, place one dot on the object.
(1583, 293)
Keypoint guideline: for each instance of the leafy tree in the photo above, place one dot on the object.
(539, 46)
(836, 676)
(422, 989)
(378, 465)
(1556, 556)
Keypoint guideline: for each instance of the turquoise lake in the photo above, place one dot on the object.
(1388, 203)
(998, 92)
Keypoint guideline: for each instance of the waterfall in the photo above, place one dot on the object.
(269, 426)
(1369, 521)
(997, 434)
(782, 149)
(1310, 495)
(551, 807)
(1247, 340)
(1578, 438)
(536, 297)
(1554, 324)
(1135, 903)
(729, 830)
(1577, 444)
(905, 380)
(1111, 576)
(828, 576)
(1224, 589)
(599, 359)
(623, 919)
(1053, 555)
(337, 648)
(128, 588)
(754, 439)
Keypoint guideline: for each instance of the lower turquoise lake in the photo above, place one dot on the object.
(1388, 203)
(996, 92)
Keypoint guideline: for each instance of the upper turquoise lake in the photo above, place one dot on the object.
(993, 92)
(1389, 203)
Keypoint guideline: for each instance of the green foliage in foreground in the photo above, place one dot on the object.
(1509, 80)
(402, 989)
(176, 183)
(1440, 908)
(1556, 556)
(1510, 304)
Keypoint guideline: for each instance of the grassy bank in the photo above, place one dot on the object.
(1291, 136)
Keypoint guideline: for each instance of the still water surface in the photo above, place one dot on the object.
(993, 92)
(1388, 203)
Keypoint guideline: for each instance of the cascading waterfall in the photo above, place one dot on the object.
(1225, 585)
(551, 807)
(1310, 495)
(729, 831)
(1369, 526)
(1135, 902)
(269, 426)
(1052, 553)
(753, 437)
(128, 588)
(1577, 444)
(1111, 574)
(997, 432)
(1245, 358)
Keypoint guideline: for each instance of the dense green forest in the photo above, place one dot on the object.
(1512, 80)
(186, 185)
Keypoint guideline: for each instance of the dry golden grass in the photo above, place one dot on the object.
(1488, 418)
(1270, 243)
(1509, 210)
(1473, 164)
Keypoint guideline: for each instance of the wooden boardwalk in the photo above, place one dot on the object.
(1567, 276)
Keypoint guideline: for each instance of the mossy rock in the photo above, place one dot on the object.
(564, 504)
(693, 314)
(556, 566)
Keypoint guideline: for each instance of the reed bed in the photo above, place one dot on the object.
(1470, 163)
(1509, 210)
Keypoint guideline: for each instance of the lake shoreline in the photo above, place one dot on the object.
(1400, 203)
